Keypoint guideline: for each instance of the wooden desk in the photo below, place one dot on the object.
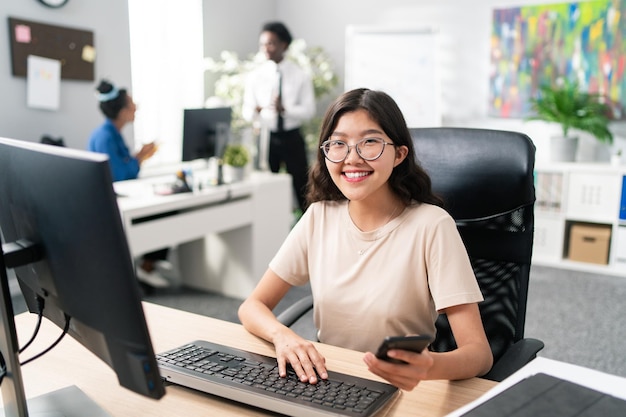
(225, 235)
(71, 364)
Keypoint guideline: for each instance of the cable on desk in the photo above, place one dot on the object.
(3, 368)
(40, 306)
(56, 342)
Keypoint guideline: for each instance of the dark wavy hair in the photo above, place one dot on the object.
(111, 108)
(408, 180)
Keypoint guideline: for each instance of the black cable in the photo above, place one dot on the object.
(3, 368)
(40, 306)
(56, 342)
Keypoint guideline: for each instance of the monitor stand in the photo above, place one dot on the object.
(66, 402)
(212, 173)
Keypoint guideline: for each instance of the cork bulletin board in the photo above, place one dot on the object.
(74, 48)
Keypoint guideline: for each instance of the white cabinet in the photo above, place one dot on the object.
(594, 196)
(570, 194)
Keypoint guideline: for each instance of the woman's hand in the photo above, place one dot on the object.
(146, 151)
(405, 376)
(302, 355)
(258, 318)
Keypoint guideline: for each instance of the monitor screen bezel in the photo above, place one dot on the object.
(205, 132)
(63, 201)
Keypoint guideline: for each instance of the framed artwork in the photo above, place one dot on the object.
(535, 45)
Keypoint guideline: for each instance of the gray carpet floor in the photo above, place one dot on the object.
(580, 317)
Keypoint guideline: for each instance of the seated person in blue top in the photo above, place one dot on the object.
(119, 109)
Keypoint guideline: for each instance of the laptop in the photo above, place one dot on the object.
(252, 379)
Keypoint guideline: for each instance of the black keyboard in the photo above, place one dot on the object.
(253, 379)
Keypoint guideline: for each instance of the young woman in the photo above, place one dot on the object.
(382, 257)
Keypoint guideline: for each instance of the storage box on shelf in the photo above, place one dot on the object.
(580, 217)
(589, 243)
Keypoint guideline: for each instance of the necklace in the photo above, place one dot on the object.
(377, 232)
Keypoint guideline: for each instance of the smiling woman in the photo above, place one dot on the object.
(382, 257)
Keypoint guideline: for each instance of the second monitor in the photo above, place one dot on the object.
(205, 132)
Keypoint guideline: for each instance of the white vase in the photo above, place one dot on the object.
(616, 160)
(233, 174)
(563, 149)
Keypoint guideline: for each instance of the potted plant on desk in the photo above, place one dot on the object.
(572, 108)
(236, 157)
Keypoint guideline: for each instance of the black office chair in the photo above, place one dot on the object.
(486, 179)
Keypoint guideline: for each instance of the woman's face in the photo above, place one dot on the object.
(356, 178)
(128, 112)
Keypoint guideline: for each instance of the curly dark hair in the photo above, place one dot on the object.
(111, 108)
(408, 180)
(280, 30)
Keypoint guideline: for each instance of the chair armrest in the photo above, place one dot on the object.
(298, 309)
(515, 357)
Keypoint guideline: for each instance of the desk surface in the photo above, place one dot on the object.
(71, 364)
(139, 195)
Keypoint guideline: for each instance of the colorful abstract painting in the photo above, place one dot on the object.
(535, 45)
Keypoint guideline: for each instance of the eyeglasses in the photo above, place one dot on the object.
(368, 149)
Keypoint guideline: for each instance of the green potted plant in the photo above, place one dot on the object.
(565, 104)
(234, 161)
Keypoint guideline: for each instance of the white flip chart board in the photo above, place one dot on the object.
(402, 62)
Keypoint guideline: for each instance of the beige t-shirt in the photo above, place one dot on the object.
(386, 282)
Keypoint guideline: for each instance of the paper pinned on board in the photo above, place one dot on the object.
(43, 82)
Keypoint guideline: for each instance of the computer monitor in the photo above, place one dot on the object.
(205, 132)
(62, 236)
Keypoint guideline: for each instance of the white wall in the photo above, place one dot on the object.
(464, 28)
(227, 27)
(464, 35)
(78, 114)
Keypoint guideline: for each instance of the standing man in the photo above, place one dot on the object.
(279, 94)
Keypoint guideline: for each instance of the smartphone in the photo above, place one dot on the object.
(412, 343)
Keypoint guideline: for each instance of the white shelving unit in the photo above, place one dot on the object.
(579, 193)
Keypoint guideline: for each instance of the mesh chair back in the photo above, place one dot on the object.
(487, 182)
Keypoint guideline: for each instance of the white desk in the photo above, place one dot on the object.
(226, 235)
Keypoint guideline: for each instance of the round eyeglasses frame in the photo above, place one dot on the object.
(356, 146)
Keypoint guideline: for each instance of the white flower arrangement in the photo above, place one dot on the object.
(233, 71)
